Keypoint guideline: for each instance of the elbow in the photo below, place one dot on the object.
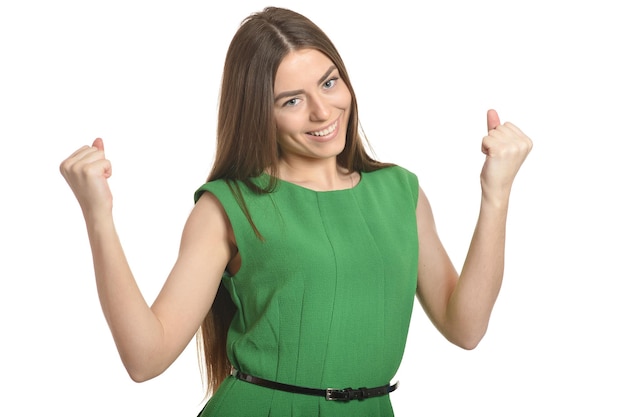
(144, 358)
(139, 376)
(141, 371)
(468, 340)
(467, 331)
(469, 344)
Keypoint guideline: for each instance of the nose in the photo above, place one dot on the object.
(320, 109)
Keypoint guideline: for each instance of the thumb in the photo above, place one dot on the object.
(493, 120)
(98, 143)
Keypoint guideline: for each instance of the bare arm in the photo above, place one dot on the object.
(460, 306)
(148, 338)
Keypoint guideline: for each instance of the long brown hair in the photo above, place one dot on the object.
(246, 137)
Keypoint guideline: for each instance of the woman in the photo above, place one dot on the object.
(299, 260)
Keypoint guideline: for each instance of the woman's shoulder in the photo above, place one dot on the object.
(230, 189)
(394, 173)
(393, 180)
(216, 187)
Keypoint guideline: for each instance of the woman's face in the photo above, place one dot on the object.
(311, 106)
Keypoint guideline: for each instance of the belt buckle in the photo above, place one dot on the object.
(334, 394)
(346, 394)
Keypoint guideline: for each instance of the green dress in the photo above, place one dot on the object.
(325, 299)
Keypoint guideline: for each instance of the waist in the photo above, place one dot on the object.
(331, 394)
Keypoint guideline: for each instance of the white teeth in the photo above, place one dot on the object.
(326, 131)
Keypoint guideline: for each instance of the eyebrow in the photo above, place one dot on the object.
(296, 92)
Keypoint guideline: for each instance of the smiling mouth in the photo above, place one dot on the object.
(325, 132)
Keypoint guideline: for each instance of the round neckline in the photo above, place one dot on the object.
(301, 187)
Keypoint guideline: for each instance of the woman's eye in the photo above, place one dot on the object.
(291, 102)
(330, 83)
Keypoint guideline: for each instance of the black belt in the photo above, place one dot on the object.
(331, 394)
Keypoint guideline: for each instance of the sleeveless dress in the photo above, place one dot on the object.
(324, 300)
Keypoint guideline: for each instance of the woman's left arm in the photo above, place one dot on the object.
(460, 305)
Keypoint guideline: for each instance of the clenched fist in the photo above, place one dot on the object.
(86, 171)
(506, 148)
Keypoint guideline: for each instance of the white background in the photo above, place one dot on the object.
(144, 76)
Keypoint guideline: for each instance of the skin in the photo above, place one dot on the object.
(460, 305)
(310, 97)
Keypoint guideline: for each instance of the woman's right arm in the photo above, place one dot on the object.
(149, 338)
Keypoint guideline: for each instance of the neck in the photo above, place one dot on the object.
(318, 176)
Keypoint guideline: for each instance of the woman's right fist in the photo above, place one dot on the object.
(86, 171)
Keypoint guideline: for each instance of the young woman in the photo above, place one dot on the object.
(299, 261)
